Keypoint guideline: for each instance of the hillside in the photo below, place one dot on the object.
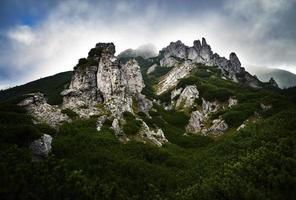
(186, 124)
(51, 86)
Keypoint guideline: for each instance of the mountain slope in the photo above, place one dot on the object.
(207, 136)
(51, 86)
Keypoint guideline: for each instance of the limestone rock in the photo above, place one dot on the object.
(265, 106)
(218, 127)
(209, 107)
(151, 69)
(175, 93)
(100, 122)
(37, 106)
(172, 78)
(195, 122)
(177, 53)
(187, 97)
(143, 103)
(232, 102)
(41, 147)
(155, 136)
(133, 77)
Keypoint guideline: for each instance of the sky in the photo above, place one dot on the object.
(41, 38)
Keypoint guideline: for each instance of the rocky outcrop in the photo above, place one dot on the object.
(210, 106)
(218, 127)
(177, 53)
(200, 122)
(175, 93)
(195, 122)
(41, 147)
(151, 69)
(232, 102)
(171, 79)
(38, 107)
(155, 136)
(105, 85)
(187, 97)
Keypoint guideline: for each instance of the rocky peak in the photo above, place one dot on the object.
(204, 42)
(272, 82)
(177, 49)
(177, 53)
(106, 48)
(197, 44)
(235, 63)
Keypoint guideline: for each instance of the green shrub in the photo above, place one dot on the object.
(70, 113)
(238, 114)
(132, 125)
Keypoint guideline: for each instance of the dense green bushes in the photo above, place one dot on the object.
(238, 114)
(132, 125)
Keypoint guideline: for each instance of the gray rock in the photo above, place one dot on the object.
(210, 107)
(177, 53)
(232, 102)
(100, 122)
(155, 136)
(37, 106)
(265, 106)
(218, 127)
(171, 79)
(187, 97)
(175, 92)
(151, 69)
(195, 122)
(41, 147)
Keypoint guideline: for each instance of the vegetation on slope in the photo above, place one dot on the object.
(51, 86)
(258, 162)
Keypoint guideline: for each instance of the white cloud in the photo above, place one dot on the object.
(73, 27)
(22, 34)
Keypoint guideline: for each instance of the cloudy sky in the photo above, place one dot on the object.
(41, 38)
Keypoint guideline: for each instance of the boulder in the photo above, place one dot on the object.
(41, 147)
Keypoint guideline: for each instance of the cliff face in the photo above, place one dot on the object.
(103, 79)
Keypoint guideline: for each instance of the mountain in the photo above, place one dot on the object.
(185, 124)
(285, 79)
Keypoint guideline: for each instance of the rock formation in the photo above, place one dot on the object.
(187, 97)
(37, 106)
(111, 87)
(184, 59)
(41, 147)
